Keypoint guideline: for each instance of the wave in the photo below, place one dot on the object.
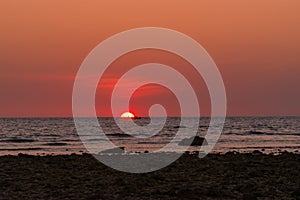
(179, 127)
(118, 135)
(23, 149)
(256, 133)
(18, 140)
(70, 140)
(261, 133)
(145, 142)
(262, 147)
(55, 144)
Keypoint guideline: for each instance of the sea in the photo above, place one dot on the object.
(56, 136)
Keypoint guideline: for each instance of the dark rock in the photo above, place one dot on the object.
(114, 150)
(257, 152)
(193, 141)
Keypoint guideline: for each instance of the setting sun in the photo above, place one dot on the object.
(127, 115)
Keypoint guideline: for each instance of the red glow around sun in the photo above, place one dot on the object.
(127, 115)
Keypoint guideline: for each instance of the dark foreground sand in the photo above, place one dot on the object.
(230, 176)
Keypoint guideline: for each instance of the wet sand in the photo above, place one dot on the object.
(229, 176)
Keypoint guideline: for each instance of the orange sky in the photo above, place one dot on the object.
(255, 44)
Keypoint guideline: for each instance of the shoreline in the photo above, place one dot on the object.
(217, 176)
(130, 153)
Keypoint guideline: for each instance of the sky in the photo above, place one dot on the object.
(255, 44)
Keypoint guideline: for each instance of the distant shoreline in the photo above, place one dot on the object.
(191, 153)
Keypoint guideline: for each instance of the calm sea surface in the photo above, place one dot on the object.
(39, 136)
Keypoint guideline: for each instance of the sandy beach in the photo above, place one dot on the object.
(228, 176)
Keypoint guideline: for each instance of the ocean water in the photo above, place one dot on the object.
(41, 136)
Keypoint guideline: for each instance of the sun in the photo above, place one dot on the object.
(127, 115)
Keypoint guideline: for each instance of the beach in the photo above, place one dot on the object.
(217, 176)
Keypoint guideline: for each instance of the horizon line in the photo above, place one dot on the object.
(206, 116)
